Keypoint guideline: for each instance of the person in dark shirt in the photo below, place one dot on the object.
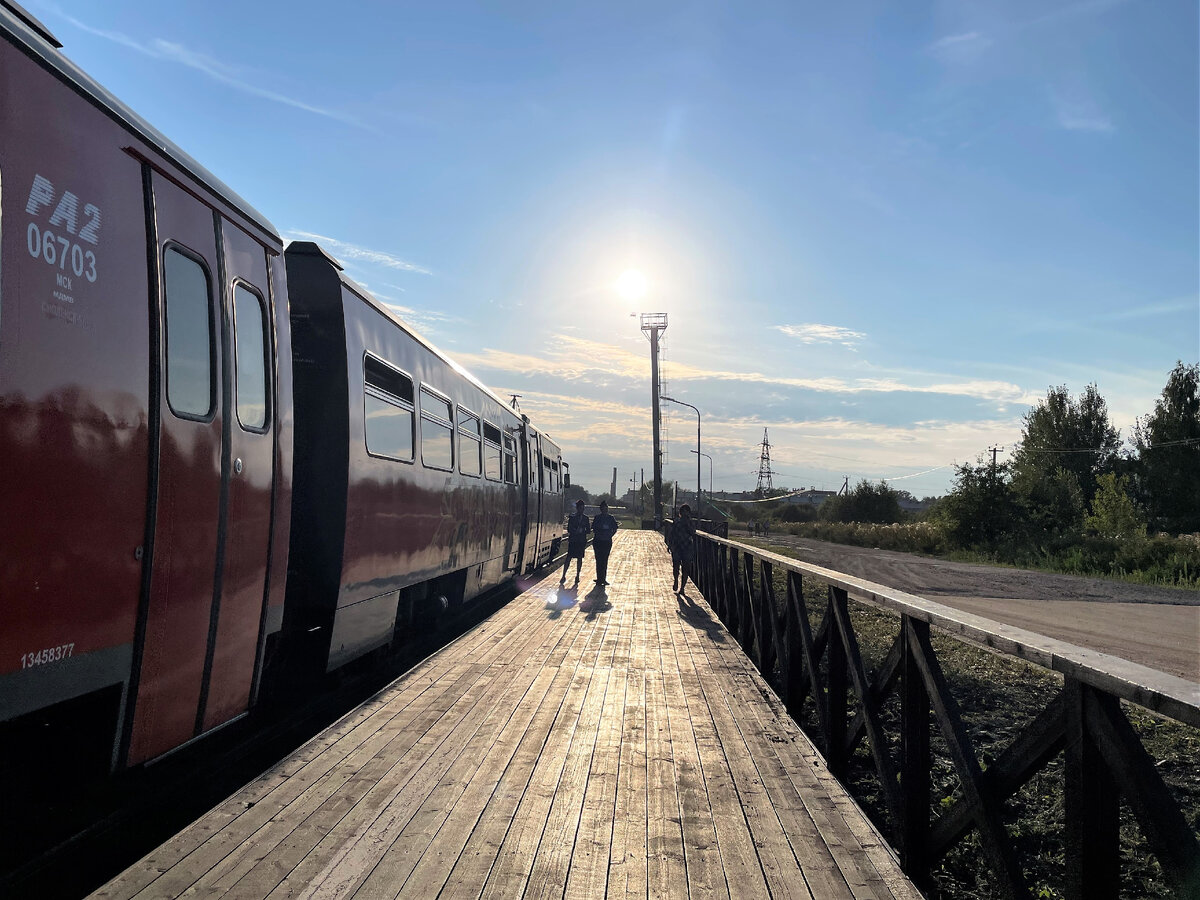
(683, 547)
(577, 534)
(604, 527)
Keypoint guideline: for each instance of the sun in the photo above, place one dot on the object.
(631, 285)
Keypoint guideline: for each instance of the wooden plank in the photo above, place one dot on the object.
(501, 846)
(280, 784)
(628, 854)
(590, 859)
(384, 850)
(703, 857)
(352, 846)
(741, 810)
(356, 785)
(666, 865)
(800, 786)
(628, 749)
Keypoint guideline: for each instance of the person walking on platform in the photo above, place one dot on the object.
(604, 527)
(577, 533)
(683, 547)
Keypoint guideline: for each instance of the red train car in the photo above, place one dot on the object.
(413, 481)
(151, 501)
(144, 415)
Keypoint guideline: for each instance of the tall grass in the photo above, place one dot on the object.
(1159, 560)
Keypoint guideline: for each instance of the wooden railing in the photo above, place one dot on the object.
(1103, 757)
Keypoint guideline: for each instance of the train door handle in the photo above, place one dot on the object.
(237, 465)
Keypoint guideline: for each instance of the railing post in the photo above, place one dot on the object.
(767, 650)
(1092, 806)
(835, 697)
(796, 652)
(915, 761)
(733, 606)
(747, 614)
(719, 582)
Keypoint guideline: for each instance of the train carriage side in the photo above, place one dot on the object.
(144, 422)
(407, 495)
(544, 495)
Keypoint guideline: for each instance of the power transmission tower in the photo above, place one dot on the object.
(764, 466)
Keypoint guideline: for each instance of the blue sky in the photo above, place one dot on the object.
(880, 230)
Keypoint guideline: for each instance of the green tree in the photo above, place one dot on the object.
(1066, 445)
(868, 502)
(982, 511)
(1168, 450)
(1114, 514)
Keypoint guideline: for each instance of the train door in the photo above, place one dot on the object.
(209, 512)
(534, 460)
(523, 477)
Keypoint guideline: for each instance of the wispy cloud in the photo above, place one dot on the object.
(230, 76)
(953, 40)
(960, 48)
(812, 333)
(575, 359)
(356, 252)
(1151, 310)
(1076, 110)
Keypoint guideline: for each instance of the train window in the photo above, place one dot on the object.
(380, 375)
(189, 335)
(469, 457)
(250, 345)
(510, 460)
(491, 452)
(547, 476)
(437, 432)
(389, 411)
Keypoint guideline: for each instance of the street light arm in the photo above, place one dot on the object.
(697, 412)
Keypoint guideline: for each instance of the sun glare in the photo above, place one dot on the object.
(631, 285)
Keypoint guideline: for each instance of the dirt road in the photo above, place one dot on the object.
(1155, 626)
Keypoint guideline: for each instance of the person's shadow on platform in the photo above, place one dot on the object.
(595, 602)
(697, 616)
(560, 598)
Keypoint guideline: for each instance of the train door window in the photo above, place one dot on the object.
(555, 476)
(510, 460)
(389, 410)
(250, 345)
(491, 451)
(437, 431)
(468, 443)
(189, 335)
(547, 476)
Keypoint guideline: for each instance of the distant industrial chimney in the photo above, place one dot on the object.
(614, 484)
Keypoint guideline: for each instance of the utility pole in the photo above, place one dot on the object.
(994, 451)
(654, 324)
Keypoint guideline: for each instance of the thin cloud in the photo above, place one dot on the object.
(1150, 310)
(952, 40)
(576, 359)
(355, 252)
(169, 51)
(813, 333)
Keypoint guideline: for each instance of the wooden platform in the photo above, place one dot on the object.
(577, 744)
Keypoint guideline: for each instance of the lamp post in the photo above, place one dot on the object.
(709, 458)
(697, 412)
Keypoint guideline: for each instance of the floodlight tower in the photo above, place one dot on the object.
(653, 325)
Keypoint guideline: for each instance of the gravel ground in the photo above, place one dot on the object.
(1158, 627)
